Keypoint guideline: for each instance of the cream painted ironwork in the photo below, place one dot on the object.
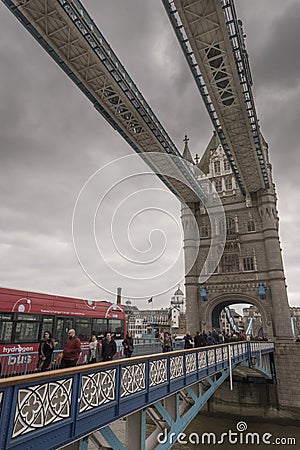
(133, 379)
(176, 367)
(190, 363)
(41, 405)
(97, 389)
(158, 372)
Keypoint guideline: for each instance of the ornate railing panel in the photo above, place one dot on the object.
(97, 389)
(133, 379)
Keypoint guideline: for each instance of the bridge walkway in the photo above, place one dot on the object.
(56, 408)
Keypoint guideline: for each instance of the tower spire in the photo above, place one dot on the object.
(186, 151)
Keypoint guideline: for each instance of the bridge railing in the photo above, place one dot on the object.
(24, 363)
(51, 409)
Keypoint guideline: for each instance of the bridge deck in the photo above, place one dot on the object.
(49, 410)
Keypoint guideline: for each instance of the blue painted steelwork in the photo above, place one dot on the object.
(262, 291)
(243, 68)
(52, 409)
(231, 320)
(111, 438)
(177, 426)
(250, 325)
(293, 319)
(116, 73)
(203, 294)
(83, 444)
(261, 361)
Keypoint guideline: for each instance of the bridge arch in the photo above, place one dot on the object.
(216, 305)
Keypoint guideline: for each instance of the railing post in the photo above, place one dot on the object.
(230, 367)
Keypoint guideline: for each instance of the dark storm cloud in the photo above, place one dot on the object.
(277, 59)
(272, 29)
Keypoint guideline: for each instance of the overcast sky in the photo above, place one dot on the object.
(52, 141)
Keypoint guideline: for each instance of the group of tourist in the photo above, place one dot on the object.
(97, 351)
(105, 349)
(211, 338)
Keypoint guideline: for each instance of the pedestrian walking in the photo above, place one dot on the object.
(109, 348)
(94, 353)
(45, 351)
(71, 350)
(188, 341)
(197, 340)
(210, 339)
(128, 345)
(167, 342)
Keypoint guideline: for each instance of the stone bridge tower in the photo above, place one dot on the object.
(251, 267)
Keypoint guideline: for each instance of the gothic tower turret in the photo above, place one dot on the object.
(251, 268)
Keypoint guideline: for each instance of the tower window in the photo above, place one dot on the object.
(226, 165)
(228, 184)
(230, 263)
(230, 226)
(218, 185)
(251, 226)
(217, 167)
(248, 263)
(204, 232)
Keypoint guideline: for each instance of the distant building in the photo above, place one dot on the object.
(177, 313)
(295, 314)
(152, 322)
(177, 301)
(146, 322)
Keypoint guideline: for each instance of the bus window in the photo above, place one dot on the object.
(83, 328)
(6, 326)
(63, 324)
(47, 325)
(26, 332)
(99, 327)
(117, 327)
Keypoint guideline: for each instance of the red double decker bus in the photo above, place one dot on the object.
(25, 316)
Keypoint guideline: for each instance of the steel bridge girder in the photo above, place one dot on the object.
(203, 31)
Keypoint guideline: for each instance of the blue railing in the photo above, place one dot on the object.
(21, 363)
(49, 410)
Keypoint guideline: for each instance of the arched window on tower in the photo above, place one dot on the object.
(230, 226)
(230, 263)
(250, 226)
(218, 184)
(226, 165)
(204, 232)
(228, 184)
(217, 167)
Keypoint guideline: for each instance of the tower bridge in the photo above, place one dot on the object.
(251, 268)
(213, 43)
